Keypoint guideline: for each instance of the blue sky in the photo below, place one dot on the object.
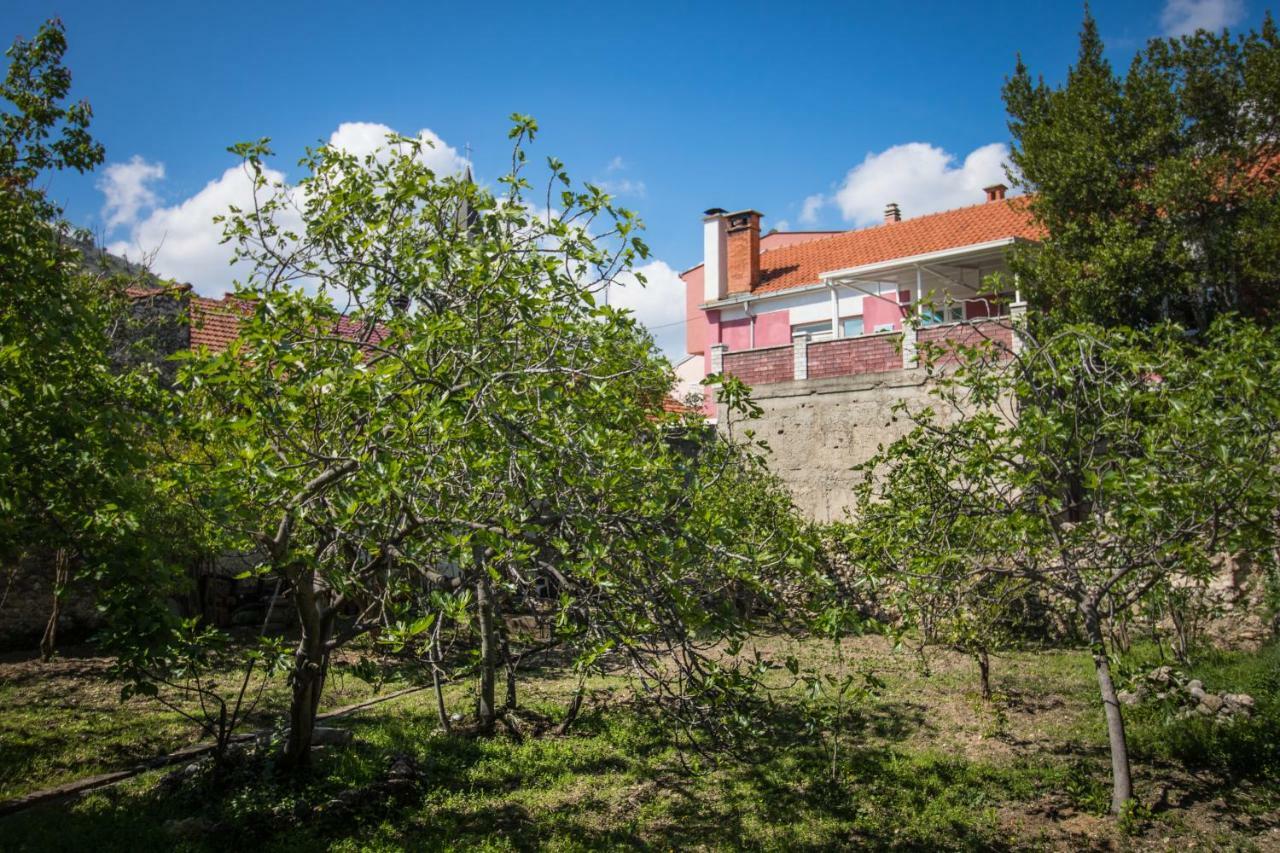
(816, 114)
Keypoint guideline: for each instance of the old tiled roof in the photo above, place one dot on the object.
(799, 265)
(672, 405)
(216, 322)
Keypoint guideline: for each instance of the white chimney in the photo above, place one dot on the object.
(715, 256)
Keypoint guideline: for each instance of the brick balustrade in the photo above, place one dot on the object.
(1000, 333)
(855, 356)
(761, 366)
(877, 353)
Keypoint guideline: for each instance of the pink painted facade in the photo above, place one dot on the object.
(696, 320)
(880, 311)
(848, 293)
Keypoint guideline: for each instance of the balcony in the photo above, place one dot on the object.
(882, 352)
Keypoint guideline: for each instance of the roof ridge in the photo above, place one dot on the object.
(866, 229)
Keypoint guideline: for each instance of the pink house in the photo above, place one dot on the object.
(809, 305)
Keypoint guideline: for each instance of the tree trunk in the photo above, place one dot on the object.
(984, 672)
(441, 711)
(571, 713)
(1121, 780)
(61, 575)
(510, 665)
(310, 664)
(486, 710)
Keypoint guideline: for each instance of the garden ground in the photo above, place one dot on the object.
(923, 764)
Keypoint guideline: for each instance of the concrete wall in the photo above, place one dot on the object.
(818, 429)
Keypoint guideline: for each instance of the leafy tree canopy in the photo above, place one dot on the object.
(1157, 187)
(1097, 467)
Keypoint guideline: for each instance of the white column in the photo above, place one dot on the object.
(715, 252)
(800, 354)
(717, 357)
(1018, 317)
(911, 326)
(835, 313)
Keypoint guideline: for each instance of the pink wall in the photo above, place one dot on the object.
(877, 310)
(773, 329)
(736, 334)
(695, 324)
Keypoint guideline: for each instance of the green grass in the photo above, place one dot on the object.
(924, 765)
(65, 720)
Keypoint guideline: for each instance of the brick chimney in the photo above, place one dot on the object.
(892, 213)
(743, 238)
(995, 192)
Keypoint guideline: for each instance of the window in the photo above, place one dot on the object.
(816, 331)
(851, 327)
(935, 316)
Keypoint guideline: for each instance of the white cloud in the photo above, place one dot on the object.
(183, 242)
(362, 137)
(619, 185)
(921, 178)
(126, 190)
(1183, 17)
(624, 186)
(658, 304)
(809, 210)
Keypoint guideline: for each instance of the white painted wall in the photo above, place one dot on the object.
(689, 375)
(811, 306)
(715, 257)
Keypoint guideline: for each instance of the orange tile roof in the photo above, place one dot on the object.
(794, 266)
(216, 322)
(673, 406)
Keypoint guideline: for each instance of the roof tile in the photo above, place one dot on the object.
(799, 265)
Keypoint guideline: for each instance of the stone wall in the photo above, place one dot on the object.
(26, 599)
(155, 328)
(818, 429)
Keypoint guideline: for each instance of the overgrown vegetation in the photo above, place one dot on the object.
(453, 465)
(928, 764)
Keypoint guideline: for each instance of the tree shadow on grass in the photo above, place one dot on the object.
(617, 782)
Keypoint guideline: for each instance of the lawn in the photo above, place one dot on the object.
(924, 764)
